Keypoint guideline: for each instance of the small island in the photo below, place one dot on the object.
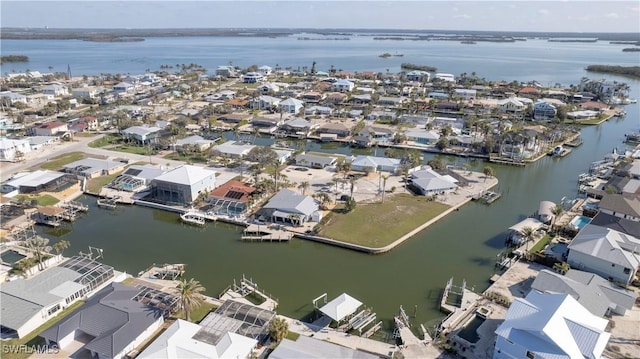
(14, 58)
(632, 71)
(631, 49)
(385, 55)
(409, 66)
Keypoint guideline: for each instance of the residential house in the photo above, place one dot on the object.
(529, 91)
(265, 124)
(265, 70)
(237, 103)
(511, 105)
(438, 95)
(385, 115)
(264, 102)
(375, 134)
(55, 90)
(622, 225)
(544, 111)
(189, 340)
(232, 198)
(422, 137)
(606, 252)
(12, 97)
(333, 128)
(291, 105)
(621, 205)
(312, 348)
(315, 161)
(375, 164)
(234, 118)
(417, 75)
(192, 143)
(28, 303)
(425, 181)
(233, 149)
(391, 101)
(445, 77)
(318, 110)
(298, 126)
(252, 77)
(13, 149)
(51, 129)
(312, 96)
(86, 93)
(268, 88)
(143, 135)
(290, 207)
(124, 87)
(545, 211)
(226, 71)
(111, 324)
(594, 106)
(38, 181)
(182, 185)
(136, 177)
(337, 98)
(416, 120)
(550, 325)
(465, 94)
(360, 99)
(596, 294)
(93, 167)
(342, 85)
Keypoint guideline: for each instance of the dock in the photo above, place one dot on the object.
(487, 197)
(245, 288)
(107, 202)
(506, 161)
(265, 233)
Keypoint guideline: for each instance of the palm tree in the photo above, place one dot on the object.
(557, 211)
(384, 184)
(60, 246)
(527, 235)
(39, 246)
(488, 172)
(303, 186)
(190, 295)
(278, 329)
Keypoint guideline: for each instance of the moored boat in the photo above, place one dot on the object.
(193, 218)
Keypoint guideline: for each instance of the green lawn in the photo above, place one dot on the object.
(379, 224)
(110, 139)
(541, 244)
(33, 338)
(137, 150)
(94, 185)
(56, 163)
(192, 158)
(197, 314)
(44, 200)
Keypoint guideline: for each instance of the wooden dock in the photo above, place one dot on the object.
(507, 161)
(265, 233)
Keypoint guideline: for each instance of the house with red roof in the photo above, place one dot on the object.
(232, 198)
(51, 129)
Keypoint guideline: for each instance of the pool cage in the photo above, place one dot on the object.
(166, 302)
(126, 183)
(228, 207)
(235, 317)
(94, 273)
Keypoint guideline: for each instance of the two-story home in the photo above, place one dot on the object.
(264, 102)
(544, 111)
(291, 105)
(342, 85)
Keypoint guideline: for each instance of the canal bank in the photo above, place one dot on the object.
(462, 245)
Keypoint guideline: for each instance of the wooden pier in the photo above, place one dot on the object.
(506, 161)
(265, 233)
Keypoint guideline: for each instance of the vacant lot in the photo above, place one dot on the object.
(56, 163)
(379, 224)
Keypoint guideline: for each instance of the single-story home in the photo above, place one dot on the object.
(93, 167)
(315, 161)
(427, 182)
(290, 207)
(233, 149)
(231, 198)
(374, 164)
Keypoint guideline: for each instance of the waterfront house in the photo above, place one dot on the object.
(264, 102)
(233, 149)
(13, 149)
(544, 111)
(110, 324)
(298, 126)
(417, 75)
(511, 105)
(594, 106)
(124, 87)
(143, 135)
(318, 110)
(226, 71)
(136, 177)
(315, 161)
(38, 181)
(445, 77)
(54, 128)
(182, 185)
(311, 348)
(375, 134)
(93, 167)
(231, 198)
(421, 136)
(375, 164)
(427, 182)
(334, 128)
(596, 294)
(27, 303)
(605, 252)
(515, 234)
(268, 88)
(252, 77)
(342, 85)
(545, 211)
(291, 105)
(265, 124)
(621, 205)
(192, 143)
(438, 95)
(545, 325)
(290, 207)
(85, 93)
(234, 118)
(189, 340)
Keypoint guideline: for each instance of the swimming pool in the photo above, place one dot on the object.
(10, 257)
(579, 221)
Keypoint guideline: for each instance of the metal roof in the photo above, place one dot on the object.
(341, 307)
(35, 178)
(606, 244)
(305, 347)
(289, 201)
(186, 175)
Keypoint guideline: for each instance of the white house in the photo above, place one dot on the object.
(51, 129)
(233, 149)
(183, 184)
(10, 149)
(90, 92)
(445, 77)
(13, 97)
(466, 94)
(291, 105)
(606, 252)
(265, 70)
(417, 75)
(123, 87)
(56, 90)
(426, 181)
(252, 77)
(550, 325)
(343, 85)
(264, 102)
(372, 164)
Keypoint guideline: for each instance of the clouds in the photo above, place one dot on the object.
(515, 15)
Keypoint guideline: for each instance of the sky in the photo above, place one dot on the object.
(479, 15)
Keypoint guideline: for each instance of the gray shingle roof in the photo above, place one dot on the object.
(606, 244)
(617, 224)
(292, 202)
(627, 204)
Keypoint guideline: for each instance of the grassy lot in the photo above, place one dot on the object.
(33, 338)
(56, 163)
(379, 224)
(541, 244)
(192, 158)
(292, 336)
(94, 185)
(84, 134)
(197, 314)
(110, 139)
(43, 200)
(137, 150)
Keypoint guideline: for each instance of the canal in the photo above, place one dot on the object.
(463, 245)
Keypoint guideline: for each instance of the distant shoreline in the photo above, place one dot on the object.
(118, 35)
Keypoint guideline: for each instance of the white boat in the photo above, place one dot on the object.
(193, 218)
